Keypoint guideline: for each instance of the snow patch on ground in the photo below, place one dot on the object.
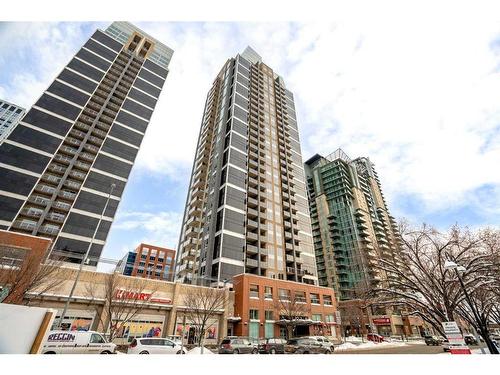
(197, 350)
(368, 345)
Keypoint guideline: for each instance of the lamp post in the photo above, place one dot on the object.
(450, 265)
(85, 259)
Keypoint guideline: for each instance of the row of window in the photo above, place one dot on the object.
(286, 295)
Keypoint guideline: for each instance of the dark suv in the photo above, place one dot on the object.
(305, 346)
(433, 340)
(272, 346)
(237, 345)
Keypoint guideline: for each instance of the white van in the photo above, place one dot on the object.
(77, 342)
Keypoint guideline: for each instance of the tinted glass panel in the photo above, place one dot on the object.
(143, 98)
(132, 121)
(10, 207)
(150, 77)
(107, 40)
(95, 203)
(137, 109)
(22, 158)
(119, 149)
(102, 183)
(35, 139)
(46, 121)
(85, 69)
(93, 59)
(68, 93)
(16, 182)
(110, 165)
(144, 86)
(155, 68)
(58, 106)
(100, 50)
(77, 81)
(126, 135)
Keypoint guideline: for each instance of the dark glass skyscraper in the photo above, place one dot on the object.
(80, 138)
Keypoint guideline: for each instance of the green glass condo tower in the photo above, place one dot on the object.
(352, 227)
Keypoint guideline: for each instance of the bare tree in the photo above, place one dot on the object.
(23, 273)
(293, 310)
(417, 277)
(202, 305)
(124, 298)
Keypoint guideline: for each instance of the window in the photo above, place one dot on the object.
(254, 291)
(268, 292)
(330, 318)
(327, 300)
(269, 314)
(314, 298)
(300, 296)
(254, 314)
(284, 294)
(96, 339)
(316, 317)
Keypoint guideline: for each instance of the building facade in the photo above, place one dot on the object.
(149, 261)
(352, 227)
(263, 306)
(162, 314)
(10, 114)
(75, 147)
(246, 209)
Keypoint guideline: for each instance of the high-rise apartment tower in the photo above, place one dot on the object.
(246, 209)
(76, 146)
(352, 227)
(10, 114)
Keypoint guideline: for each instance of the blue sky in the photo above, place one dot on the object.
(421, 102)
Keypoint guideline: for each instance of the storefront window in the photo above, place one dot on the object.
(268, 330)
(253, 330)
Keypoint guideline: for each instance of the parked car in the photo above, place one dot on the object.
(175, 338)
(375, 337)
(446, 345)
(272, 346)
(433, 340)
(305, 346)
(238, 345)
(154, 345)
(77, 342)
(470, 339)
(323, 341)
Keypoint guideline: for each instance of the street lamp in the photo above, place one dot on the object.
(450, 265)
(85, 259)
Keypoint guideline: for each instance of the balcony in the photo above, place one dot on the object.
(50, 229)
(32, 212)
(27, 225)
(38, 200)
(56, 217)
(252, 262)
(252, 236)
(61, 206)
(45, 189)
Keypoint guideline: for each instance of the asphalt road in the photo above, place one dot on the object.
(409, 349)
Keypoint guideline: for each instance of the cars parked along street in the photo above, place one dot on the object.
(272, 346)
(238, 345)
(305, 346)
(154, 345)
(433, 340)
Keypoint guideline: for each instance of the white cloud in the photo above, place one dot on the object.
(414, 89)
(159, 228)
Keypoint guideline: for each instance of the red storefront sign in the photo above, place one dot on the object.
(381, 321)
(130, 295)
